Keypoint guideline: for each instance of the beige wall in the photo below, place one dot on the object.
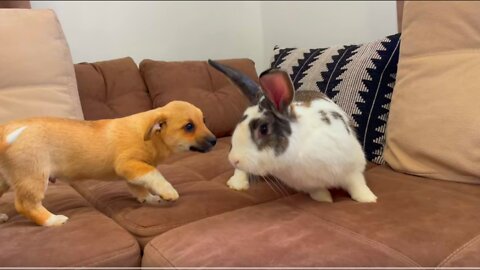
(324, 23)
(200, 30)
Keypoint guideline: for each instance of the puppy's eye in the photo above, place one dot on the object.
(189, 127)
(263, 129)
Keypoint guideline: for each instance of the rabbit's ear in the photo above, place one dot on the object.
(248, 86)
(278, 88)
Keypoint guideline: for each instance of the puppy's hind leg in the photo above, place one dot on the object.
(4, 187)
(143, 195)
(29, 193)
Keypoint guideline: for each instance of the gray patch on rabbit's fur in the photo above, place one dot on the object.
(325, 117)
(243, 118)
(305, 97)
(277, 137)
(293, 114)
(338, 116)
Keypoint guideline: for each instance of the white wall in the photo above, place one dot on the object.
(160, 30)
(211, 29)
(311, 24)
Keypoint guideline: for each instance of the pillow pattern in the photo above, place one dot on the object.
(359, 78)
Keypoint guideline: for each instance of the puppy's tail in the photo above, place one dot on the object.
(7, 139)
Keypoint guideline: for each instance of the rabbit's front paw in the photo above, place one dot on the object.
(239, 181)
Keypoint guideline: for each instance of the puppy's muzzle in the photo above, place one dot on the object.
(205, 145)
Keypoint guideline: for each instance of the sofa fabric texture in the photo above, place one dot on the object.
(415, 223)
(15, 4)
(199, 178)
(35, 80)
(89, 238)
(196, 82)
(359, 78)
(433, 129)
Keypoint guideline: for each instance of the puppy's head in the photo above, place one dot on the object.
(181, 126)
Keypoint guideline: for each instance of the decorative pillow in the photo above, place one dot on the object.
(434, 126)
(36, 69)
(196, 82)
(359, 78)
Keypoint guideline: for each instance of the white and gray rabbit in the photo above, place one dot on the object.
(304, 139)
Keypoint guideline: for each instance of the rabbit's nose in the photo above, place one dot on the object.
(236, 162)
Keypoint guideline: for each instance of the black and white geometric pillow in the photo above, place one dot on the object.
(359, 78)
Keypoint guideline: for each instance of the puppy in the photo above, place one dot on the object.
(32, 151)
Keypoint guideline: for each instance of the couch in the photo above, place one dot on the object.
(417, 221)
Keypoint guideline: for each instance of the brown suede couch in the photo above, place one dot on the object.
(417, 222)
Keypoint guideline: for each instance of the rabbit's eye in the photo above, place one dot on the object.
(263, 129)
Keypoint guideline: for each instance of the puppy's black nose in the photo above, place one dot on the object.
(212, 141)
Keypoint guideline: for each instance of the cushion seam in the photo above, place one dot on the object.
(179, 225)
(159, 253)
(164, 228)
(433, 175)
(109, 257)
(459, 250)
(373, 243)
(446, 190)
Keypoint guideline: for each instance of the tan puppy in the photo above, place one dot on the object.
(34, 150)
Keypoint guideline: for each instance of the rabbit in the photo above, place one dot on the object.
(303, 139)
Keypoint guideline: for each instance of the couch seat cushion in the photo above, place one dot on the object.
(416, 222)
(88, 239)
(200, 180)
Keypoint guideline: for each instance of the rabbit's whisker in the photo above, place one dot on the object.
(271, 186)
(279, 185)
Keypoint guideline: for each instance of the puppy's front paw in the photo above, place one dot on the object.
(55, 220)
(238, 182)
(152, 199)
(3, 218)
(168, 193)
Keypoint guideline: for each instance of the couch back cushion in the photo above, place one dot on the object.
(111, 89)
(36, 69)
(196, 82)
(434, 124)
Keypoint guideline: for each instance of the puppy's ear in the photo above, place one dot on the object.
(154, 127)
